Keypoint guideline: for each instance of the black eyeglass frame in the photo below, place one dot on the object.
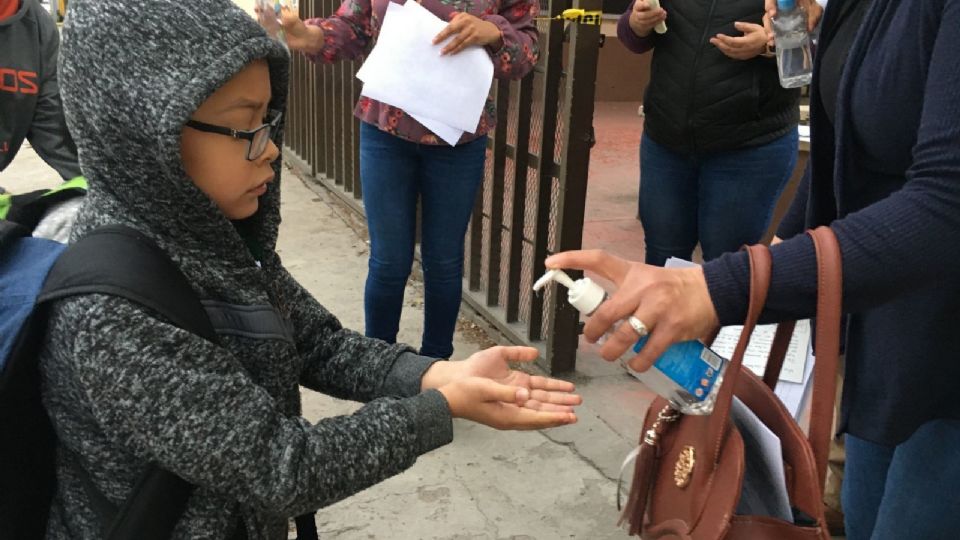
(272, 120)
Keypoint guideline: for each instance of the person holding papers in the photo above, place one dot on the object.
(885, 176)
(402, 161)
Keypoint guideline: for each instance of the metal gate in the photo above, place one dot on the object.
(535, 185)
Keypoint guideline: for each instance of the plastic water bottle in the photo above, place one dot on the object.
(688, 374)
(794, 57)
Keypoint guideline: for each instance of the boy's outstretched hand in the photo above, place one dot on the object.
(484, 389)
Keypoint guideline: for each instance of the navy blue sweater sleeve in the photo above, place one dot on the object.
(908, 239)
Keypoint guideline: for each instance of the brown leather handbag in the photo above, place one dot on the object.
(689, 472)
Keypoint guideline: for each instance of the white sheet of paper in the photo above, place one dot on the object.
(760, 343)
(764, 490)
(405, 70)
(795, 395)
(449, 134)
(674, 262)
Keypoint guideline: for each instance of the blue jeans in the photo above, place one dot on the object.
(907, 492)
(394, 174)
(721, 200)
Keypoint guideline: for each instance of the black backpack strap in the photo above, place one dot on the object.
(120, 261)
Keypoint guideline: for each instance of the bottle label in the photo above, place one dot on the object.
(691, 365)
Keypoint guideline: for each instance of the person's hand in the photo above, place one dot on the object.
(266, 19)
(499, 406)
(673, 303)
(813, 9)
(752, 43)
(643, 18)
(544, 393)
(776, 240)
(469, 31)
(299, 35)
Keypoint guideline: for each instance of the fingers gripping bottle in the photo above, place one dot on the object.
(688, 374)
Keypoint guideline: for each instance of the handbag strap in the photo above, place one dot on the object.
(827, 345)
(778, 353)
(760, 270)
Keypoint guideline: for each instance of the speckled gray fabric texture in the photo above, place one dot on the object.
(123, 387)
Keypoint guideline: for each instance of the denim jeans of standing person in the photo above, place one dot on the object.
(906, 492)
(395, 173)
(721, 200)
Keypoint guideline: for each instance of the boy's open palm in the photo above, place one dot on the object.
(485, 389)
(499, 406)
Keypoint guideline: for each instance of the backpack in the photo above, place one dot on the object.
(35, 272)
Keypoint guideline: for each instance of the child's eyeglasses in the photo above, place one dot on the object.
(257, 139)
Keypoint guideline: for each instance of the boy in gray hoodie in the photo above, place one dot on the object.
(175, 107)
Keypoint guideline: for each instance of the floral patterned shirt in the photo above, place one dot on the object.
(348, 32)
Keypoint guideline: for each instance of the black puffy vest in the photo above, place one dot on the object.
(699, 100)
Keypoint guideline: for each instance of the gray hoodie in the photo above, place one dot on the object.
(124, 387)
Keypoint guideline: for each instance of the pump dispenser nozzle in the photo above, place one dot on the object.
(584, 294)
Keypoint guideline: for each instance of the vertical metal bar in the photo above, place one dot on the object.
(290, 115)
(495, 225)
(309, 105)
(293, 114)
(314, 79)
(319, 104)
(357, 185)
(475, 244)
(298, 114)
(346, 143)
(553, 61)
(338, 125)
(521, 165)
(577, 138)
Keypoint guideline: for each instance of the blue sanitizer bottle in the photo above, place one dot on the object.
(688, 374)
(790, 36)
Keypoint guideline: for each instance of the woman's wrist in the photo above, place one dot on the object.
(315, 39)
